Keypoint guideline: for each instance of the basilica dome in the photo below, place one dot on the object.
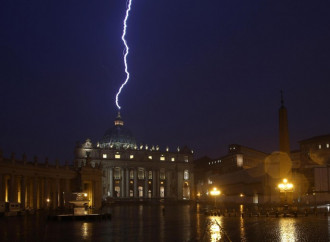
(119, 136)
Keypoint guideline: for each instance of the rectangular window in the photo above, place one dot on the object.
(150, 175)
(117, 173)
(172, 159)
(185, 158)
(162, 174)
(162, 158)
(150, 157)
(328, 146)
(131, 174)
(141, 173)
(239, 160)
(131, 156)
(117, 156)
(105, 156)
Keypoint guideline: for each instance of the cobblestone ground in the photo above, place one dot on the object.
(165, 223)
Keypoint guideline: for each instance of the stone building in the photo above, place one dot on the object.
(38, 185)
(246, 175)
(132, 171)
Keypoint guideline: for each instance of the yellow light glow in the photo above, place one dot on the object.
(241, 195)
(85, 194)
(215, 192)
(285, 186)
(48, 200)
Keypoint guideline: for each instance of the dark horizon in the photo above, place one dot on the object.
(204, 75)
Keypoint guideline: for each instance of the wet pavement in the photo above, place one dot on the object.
(165, 223)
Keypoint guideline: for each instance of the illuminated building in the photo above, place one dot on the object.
(132, 171)
(246, 175)
(40, 185)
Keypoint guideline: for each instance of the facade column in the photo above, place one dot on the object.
(127, 182)
(107, 182)
(135, 192)
(111, 181)
(39, 193)
(191, 185)
(122, 189)
(46, 192)
(28, 192)
(145, 183)
(180, 184)
(57, 192)
(53, 193)
(60, 191)
(42, 201)
(154, 181)
(13, 189)
(2, 188)
(158, 183)
(168, 184)
(23, 191)
(35, 187)
(67, 192)
(93, 193)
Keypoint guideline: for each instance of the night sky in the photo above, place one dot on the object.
(203, 73)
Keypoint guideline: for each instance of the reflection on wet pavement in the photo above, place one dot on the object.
(165, 223)
(287, 229)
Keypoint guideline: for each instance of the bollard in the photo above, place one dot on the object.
(242, 215)
(276, 214)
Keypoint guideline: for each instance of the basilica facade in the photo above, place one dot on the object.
(132, 171)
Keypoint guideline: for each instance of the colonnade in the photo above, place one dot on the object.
(33, 191)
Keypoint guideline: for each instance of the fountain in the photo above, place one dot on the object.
(79, 204)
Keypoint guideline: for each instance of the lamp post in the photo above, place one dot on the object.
(215, 192)
(48, 201)
(285, 187)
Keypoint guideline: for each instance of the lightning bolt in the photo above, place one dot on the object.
(128, 9)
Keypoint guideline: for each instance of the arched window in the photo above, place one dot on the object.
(186, 175)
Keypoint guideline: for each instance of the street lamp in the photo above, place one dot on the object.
(215, 192)
(285, 187)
